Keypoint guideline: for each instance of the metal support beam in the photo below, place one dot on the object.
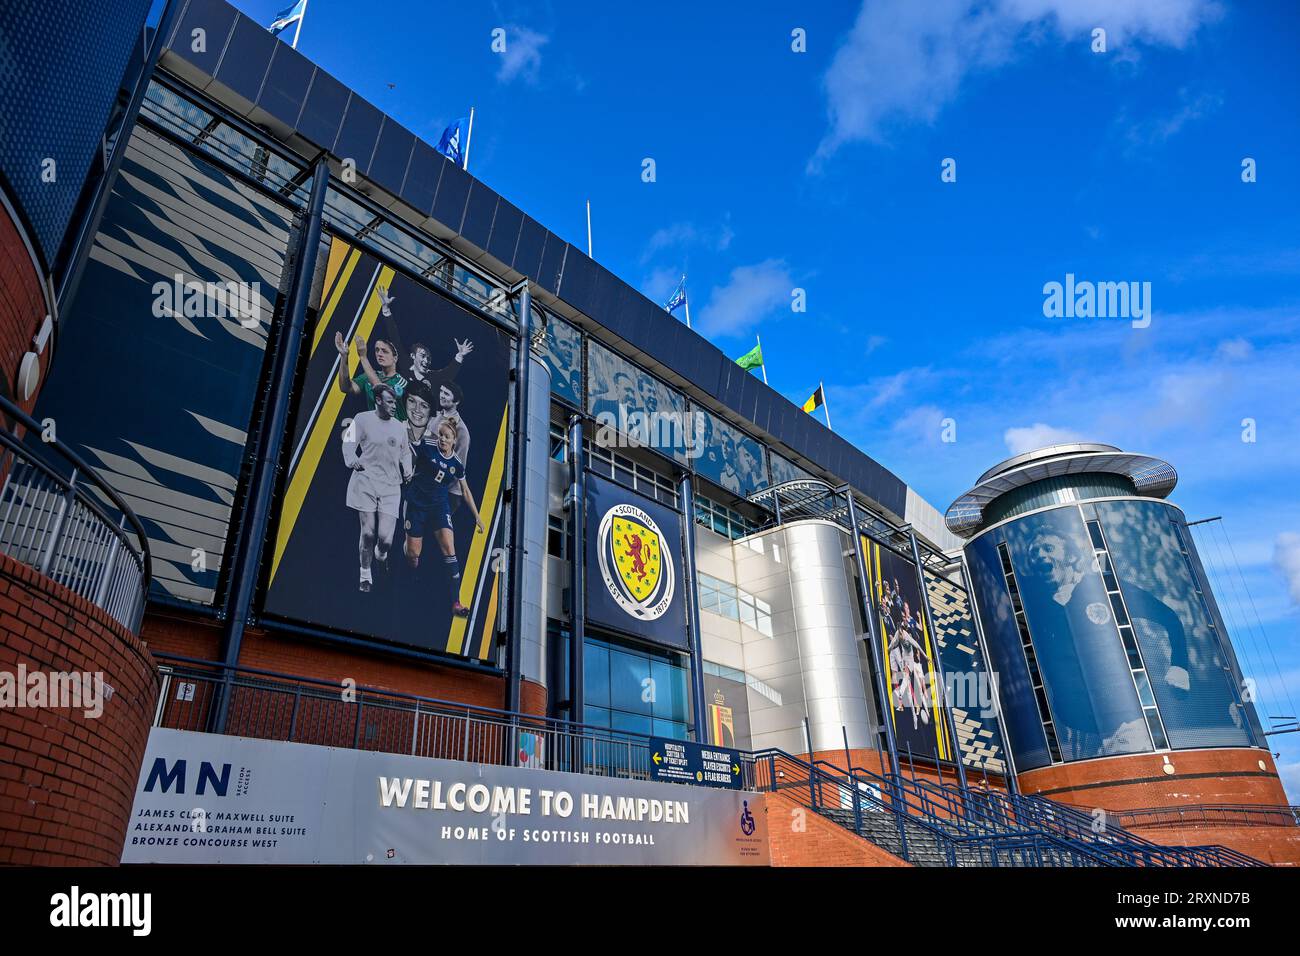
(514, 611)
(577, 567)
(869, 614)
(938, 661)
(686, 492)
(268, 439)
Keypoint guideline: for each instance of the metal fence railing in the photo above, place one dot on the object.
(55, 518)
(272, 706)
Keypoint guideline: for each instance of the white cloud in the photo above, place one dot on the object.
(660, 283)
(1237, 348)
(523, 54)
(680, 234)
(906, 61)
(751, 294)
(1286, 558)
(1036, 436)
(1156, 130)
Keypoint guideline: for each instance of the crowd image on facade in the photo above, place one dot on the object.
(443, 544)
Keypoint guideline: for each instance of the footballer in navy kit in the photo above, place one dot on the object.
(427, 505)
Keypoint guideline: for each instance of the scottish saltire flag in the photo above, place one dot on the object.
(678, 298)
(287, 18)
(452, 144)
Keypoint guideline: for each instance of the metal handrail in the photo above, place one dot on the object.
(960, 813)
(52, 519)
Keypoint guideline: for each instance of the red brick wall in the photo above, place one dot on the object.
(799, 837)
(173, 633)
(1139, 781)
(1241, 776)
(22, 306)
(67, 782)
(1276, 845)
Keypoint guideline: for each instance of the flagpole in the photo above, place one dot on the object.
(826, 406)
(469, 134)
(686, 300)
(763, 362)
(299, 28)
(589, 255)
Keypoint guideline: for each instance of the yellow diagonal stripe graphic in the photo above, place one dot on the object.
(488, 626)
(479, 547)
(336, 292)
(322, 430)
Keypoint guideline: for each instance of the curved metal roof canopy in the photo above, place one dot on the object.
(1151, 477)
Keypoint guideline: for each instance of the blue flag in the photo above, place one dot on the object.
(678, 298)
(287, 18)
(452, 144)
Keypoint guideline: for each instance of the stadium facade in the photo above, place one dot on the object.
(403, 531)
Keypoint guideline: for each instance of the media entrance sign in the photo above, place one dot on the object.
(684, 761)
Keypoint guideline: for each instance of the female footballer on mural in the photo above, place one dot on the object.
(428, 504)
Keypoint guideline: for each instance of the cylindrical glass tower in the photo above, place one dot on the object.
(1096, 612)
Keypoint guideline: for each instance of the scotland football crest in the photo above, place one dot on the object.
(634, 565)
(636, 562)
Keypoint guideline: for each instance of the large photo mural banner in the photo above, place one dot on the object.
(908, 650)
(392, 517)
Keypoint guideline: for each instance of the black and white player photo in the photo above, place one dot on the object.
(375, 448)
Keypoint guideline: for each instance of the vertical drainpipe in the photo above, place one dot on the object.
(868, 612)
(938, 662)
(514, 619)
(577, 567)
(686, 491)
(269, 441)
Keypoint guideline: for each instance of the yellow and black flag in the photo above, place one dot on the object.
(818, 400)
(815, 401)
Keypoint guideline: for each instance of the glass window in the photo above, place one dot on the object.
(671, 691)
(595, 674)
(633, 723)
(629, 676)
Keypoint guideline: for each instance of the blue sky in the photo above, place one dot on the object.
(821, 170)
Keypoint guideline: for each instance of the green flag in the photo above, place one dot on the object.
(751, 359)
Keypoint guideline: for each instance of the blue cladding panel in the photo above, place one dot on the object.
(528, 251)
(323, 111)
(286, 84)
(479, 210)
(422, 176)
(249, 55)
(215, 19)
(453, 190)
(552, 261)
(505, 232)
(392, 155)
(60, 68)
(358, 134)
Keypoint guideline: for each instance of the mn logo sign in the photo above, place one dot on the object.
(636, 562)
